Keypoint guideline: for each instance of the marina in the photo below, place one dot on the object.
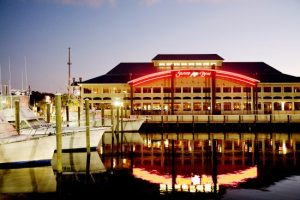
(171, 165)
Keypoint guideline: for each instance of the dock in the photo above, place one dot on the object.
(192, 123)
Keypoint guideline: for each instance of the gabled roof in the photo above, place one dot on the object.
(260, 71)
(124, 72)
(187, 57)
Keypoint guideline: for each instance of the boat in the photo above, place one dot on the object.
(126, 124)
(37, 140)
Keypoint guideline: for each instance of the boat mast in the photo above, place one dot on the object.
(1, 82)
(26, 80)
(69, 73)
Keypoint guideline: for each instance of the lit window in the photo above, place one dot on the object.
(183, 64)
(277, 89)
(287, 89)
(105, 90)
(206, 64)
(267, 89)
(227, 89)
(176, 64)
(198, 64)
(169, 64)
(237, 89)
(191, 64)
(227, 106)
(162, 64)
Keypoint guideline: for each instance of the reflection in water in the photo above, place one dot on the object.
(27, 180)
(157, 165)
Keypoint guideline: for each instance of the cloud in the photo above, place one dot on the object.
(208, 1)
(149, 2)
(92, 3)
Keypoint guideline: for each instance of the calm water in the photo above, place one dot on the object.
(169, 166)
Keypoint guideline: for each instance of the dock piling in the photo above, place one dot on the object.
(58, 132)
(87, 124)
(17, 116)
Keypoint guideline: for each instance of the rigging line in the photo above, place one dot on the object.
(26, 80)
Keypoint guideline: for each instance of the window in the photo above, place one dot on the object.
(227, 106)
(87, 91)
(247, 106)
(156, 90)
(226, 89)
(105, 90)
(277, 89)
(296, 89)
(267, 89)
(297, 105)
(187, 106)
(237, 89)
(206, 90)
(218, 89)
(177, 90)
(246, 89)
(236, 106)
(197, 106)
(166, 90)
(288, 106)
(146, 90)
(287, 89)
(137, 90)
(277, 106)
(186, 90)
(206, 106)
(197, 89)
(96, 91)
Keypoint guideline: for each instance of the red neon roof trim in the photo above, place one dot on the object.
(238, 79)
(219, 73)
(151, 79)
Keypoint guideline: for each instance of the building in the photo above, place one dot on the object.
(198, 84)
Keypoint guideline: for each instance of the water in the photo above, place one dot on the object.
(169, 166)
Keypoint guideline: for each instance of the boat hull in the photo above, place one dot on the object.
(41, 148)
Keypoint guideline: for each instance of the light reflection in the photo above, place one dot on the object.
(206, 181)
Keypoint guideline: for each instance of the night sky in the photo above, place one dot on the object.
(103, 33)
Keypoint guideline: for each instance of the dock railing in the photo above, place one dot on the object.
(259, 118)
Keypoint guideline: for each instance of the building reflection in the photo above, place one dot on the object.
(202, 162)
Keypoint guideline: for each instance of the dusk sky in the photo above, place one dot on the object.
(103, 33)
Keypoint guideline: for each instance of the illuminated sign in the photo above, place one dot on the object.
(193, 73)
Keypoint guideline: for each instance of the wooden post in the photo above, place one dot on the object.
(58, 132)
(112, 131)
(67, 115)
(17, 116)
(48, 113)
(102, 114)
(122, 133)
(122, 118)
(87, 124)
(78, 115)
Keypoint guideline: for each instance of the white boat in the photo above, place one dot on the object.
(37, 140)
(39, 144)
(126, 124)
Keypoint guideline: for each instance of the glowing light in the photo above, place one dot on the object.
(194, 73)
(207, 181)
(166, 143)
(196, 180)
(117, 103)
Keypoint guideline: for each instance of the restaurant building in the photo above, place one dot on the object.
(193, 84)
